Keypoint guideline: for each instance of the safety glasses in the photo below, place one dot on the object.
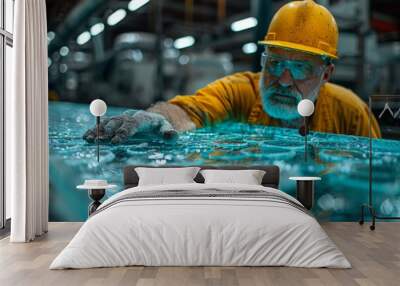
(299, 69)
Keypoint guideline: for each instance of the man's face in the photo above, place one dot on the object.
(289, 76)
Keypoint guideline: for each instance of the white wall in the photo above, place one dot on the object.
(8, 71)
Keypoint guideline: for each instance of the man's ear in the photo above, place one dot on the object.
(328, 72)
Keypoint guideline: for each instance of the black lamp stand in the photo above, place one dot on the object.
(369, 206)
(96, 195)
(97, 137)
(303, 132)
(305, 137)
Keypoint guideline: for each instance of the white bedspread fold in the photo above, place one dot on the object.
(131, 228)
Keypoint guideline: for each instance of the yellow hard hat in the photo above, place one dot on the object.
(304, 26)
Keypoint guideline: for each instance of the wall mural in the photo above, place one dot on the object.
(341, 161)
(122, 71)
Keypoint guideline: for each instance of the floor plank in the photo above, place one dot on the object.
(375, 257)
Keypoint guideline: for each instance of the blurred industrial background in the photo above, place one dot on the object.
(133, 53)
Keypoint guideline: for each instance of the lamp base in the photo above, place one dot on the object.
(96, 195)
(305, 193)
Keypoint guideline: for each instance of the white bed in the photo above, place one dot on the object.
(185, 230)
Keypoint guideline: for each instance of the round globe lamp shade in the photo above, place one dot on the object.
(98, 107)
(305, 107)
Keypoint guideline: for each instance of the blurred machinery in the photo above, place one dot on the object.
(369, 45)
(134, 52)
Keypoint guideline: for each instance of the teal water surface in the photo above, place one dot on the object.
(341, 161)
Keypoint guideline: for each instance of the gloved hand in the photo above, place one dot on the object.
(118, 129)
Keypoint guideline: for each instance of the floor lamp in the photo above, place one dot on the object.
(305, 109)
(370, 205)
(98, 108)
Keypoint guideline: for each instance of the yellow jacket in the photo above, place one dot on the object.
(337, 109)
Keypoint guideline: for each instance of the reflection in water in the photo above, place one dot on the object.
(341, 161)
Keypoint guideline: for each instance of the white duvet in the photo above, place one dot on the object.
(200, 231)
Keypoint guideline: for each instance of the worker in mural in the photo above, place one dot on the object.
(300, 47)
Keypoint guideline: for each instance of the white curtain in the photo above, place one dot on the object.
(27, 124)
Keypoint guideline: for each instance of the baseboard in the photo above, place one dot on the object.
(5, 231)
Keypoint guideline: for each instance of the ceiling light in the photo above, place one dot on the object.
(116, 17)
(171, 53)
(249, 48)
(50, 36)
(63, 68)
(83, 38)
(168, 42)
(184, 59)
(244, 24)
(184, 42)
(136, 4)
(96, 29)
(129, 38)
(64, 51)
(80, 57)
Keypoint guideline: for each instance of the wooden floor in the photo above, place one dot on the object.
(375, 257)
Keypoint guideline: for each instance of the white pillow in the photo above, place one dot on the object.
(164, 176)
(248, 177)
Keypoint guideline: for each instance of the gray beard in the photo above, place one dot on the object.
(279, 105)
(294, 120)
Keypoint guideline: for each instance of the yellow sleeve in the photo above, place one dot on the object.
(348, 112)
(357, 119)
(361, 124)
(231, 97)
